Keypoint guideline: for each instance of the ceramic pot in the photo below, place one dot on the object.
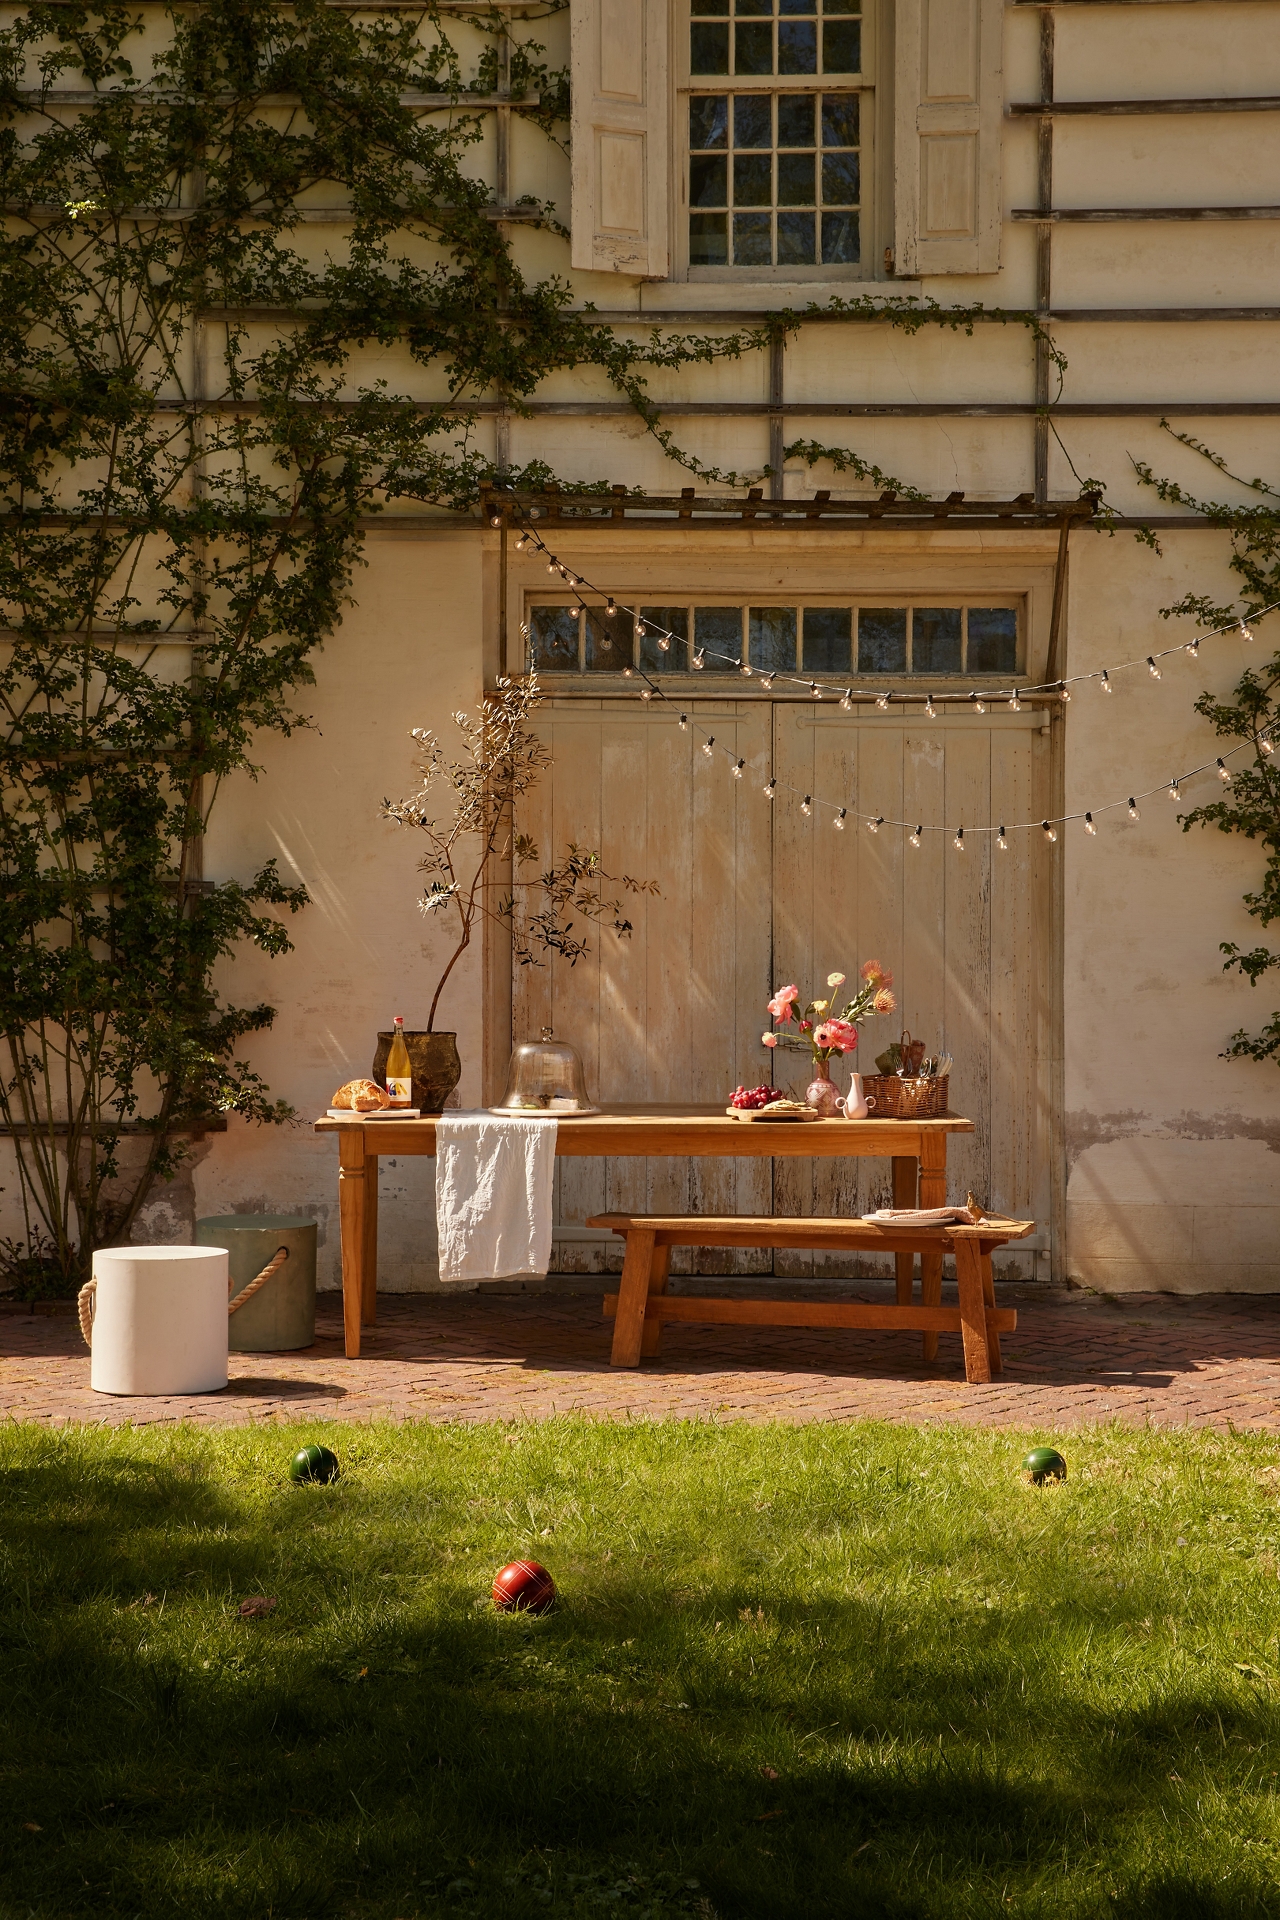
(822, 1095)
(433, 1062)
(855, 1105)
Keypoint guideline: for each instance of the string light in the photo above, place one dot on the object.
(1224, 773)
(766, 681)
(1175, 790)
(708, 744)
(914, 838)
(684, 723)
(1152, 668)
(495, 519)
(1064, 691)
(1133, 809)
(1266, 745)
(979, 704)
(770, 787)
(1001, 842)
(1246, 631)
(744, 667)
(838, 822)
(806, 805)
(882, 701)
(699, 660)
(1088, 824)
(958, 842)
(738, 765)
(1050, 832)
(664, 643)
(610, 605)
(874, 826)
(637, 628)
(1193, 648)
(846, 700)
(646, 693)
(522, 543)
(815, 691)
(551, 564)
(929, 707)
(1106, 682)
(1015, 705)
(628, 673)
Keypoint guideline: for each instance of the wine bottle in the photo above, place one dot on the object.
(399, 1071)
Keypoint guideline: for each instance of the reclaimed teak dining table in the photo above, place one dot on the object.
(917, 1149)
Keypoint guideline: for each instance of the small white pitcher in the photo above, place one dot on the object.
(854, 1105)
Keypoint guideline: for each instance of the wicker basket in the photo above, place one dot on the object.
(898, 1099)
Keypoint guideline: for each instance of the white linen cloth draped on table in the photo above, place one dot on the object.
(921, 1217)
(494, 1181)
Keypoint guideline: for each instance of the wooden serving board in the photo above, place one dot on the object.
(769, 1113)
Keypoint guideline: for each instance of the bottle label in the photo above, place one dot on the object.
(401, 1091)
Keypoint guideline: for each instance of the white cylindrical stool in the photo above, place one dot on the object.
(158, 1319)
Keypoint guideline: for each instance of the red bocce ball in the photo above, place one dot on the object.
(524, 1587)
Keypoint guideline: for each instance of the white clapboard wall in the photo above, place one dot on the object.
(756, 895)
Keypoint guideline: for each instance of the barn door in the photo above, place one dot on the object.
(965, 934)
(755, 895)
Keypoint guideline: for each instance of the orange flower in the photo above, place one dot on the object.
(884, 1001)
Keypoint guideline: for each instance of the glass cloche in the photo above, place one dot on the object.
(545, 1076)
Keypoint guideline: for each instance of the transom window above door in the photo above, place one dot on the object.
(939, 638)
(775, 154)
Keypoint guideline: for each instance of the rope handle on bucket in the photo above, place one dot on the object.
(87, 1298)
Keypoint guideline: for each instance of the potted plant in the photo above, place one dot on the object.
(464, 809)
(822, 1031)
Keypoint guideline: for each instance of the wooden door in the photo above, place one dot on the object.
(755, 895)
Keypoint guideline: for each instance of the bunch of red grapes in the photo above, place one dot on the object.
(747, 1099)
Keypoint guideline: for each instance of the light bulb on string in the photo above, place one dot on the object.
(1088, 824)
(495, 519)
(1193, 648)
(699, 660)
(664, 643)
(1266, 744)
(1106, 682)
(637, 628)
(770, 788)
(1246, 631)
(610, 605)
(766, 681)
(874, 826)
(646, 693)
(929, 707)
(1064, 691)
(841, 817)
(522, 543)
(684, 723)
(914, 838)
(882, 701)
(1175, 790)
(958, 842)
(1049, 831)
(708, 745)
(744, 667)
(738, 765)
(806, 805)
(551, 564)
(1134, 814)
(846, 700)
(628, 673)
(979, 704)
(1001, 842)
(1224, 773)
(815, 691)
(1015, 705)
(1152, 668)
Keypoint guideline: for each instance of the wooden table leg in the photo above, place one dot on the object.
(351, 1210)
(905, 1181)
(369, 1281)
(973, 1312)
(659, 1269)
(933, 1193)
(633, 1291)
(989, 1299)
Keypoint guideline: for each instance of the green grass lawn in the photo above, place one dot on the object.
(810, 1671)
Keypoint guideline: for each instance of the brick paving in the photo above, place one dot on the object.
(1210, 1361)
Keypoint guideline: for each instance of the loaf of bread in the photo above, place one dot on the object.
(362, 1096)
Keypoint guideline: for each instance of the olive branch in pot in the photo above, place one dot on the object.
(502, 760)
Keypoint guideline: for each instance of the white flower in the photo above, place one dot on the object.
(835, 979)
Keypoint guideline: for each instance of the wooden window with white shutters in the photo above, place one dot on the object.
(947, 183)
(621, 133)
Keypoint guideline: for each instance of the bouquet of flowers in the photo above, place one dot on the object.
(824, 1028)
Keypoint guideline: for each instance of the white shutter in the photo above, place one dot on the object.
(621, 133)
(948, 110)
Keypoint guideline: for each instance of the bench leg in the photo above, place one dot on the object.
(369, 1281)
(659, 1269)
(633, 1292)
(989, 1298)
(904, 1195)
(933, 1193)
(973, 1311)
(351, 1206)
(930, 1296)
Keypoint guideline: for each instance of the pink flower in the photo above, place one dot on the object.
(884, 1001)
(870, 970)
(769, 1039)
(806, 1026)
(782, 1002)
(835, 979)
(838, 1035)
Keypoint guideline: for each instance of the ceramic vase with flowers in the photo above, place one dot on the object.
(824, 1028)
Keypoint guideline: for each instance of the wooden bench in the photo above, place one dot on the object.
(642, 1304)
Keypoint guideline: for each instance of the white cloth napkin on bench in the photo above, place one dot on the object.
(920, 1217)
(494, 1180)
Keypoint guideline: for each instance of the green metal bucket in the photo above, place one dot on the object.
(281, 1316)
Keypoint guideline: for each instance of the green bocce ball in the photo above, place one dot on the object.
(1044, 1463)
(314, 1463)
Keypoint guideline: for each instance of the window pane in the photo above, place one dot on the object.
(935, 640)
(610, 641)
(797, 6)
(773, 639)
(751, 240)
(795, 239)
(752, 180)
(708, 239)
(841, 47)
(798, 46)
(993, 640)
(882, 640)
(828, 647)
(839, 119)
(795, 119)
(828, 6)
(708, 180)
(553, 639)
(708, 49)
(753, 6)
(795, 180)
(752, 120)
(753, 47)
(722, 6)
(840, 179)
(708, 121)
(840, 243)
(719, 630)
(675, 621)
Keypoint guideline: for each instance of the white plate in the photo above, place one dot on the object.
(379, 1113)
